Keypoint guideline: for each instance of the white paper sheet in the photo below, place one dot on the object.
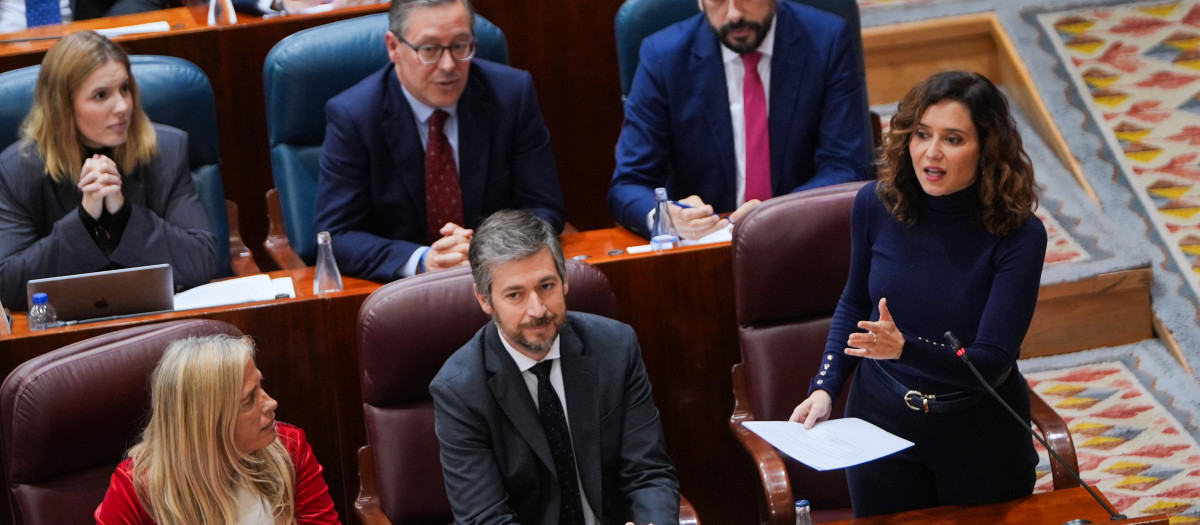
(152, 27)
(233, 291)
(832, 444)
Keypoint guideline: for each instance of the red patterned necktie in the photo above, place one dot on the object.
(758, 139)
(443, 198)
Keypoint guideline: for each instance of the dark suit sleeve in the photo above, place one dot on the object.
(644, 147)
(171, 226)
(647, 475)
(343, 197)
(535, 176)
(843, 149)
(474, 483)
(24, 252)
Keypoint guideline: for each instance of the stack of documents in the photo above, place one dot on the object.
(233, 291)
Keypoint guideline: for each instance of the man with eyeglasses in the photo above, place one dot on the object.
(417, 154)
(748, 100)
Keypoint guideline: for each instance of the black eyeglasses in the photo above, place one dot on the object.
(432, 53)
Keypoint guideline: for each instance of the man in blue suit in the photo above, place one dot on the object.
(418, 153)
(748, 100)
(545, 417)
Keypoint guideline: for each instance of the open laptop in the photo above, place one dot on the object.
(112, 293)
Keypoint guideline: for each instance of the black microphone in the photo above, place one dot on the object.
(961, 352)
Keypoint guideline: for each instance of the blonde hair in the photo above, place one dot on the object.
(50, 125)
(187, 468)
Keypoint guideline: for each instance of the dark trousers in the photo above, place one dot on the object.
(977, 455)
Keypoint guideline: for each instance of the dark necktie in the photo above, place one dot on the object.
(758, 139)
(554, 423)
(443, 198)
(42, 12)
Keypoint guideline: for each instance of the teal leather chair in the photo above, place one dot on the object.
(301, 73)
(174, 92)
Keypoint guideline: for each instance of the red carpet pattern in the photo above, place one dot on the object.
(1128, 445)
(1137, 66)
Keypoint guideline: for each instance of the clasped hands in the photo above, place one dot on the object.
(699, 219)
(882, 340)
(100, 182)
(450, 250)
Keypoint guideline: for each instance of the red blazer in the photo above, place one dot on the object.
(313, 504)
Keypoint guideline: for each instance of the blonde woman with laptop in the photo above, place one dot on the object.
(213, 452)
(94, 185)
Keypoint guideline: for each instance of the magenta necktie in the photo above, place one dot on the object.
(758, 139)
(443, 198)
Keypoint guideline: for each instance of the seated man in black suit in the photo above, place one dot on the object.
(546, 417)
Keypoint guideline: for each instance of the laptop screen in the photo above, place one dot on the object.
(103, 294)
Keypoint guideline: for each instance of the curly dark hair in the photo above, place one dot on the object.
(1005, 177)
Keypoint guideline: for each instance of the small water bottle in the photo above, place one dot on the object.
(803, 517)
(328, 278)
(663, 235)
(42, 314)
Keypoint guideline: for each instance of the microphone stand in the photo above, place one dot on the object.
(962, 353)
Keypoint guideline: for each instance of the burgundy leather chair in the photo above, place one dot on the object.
(791, 258)
(406, 330)
(68, 416)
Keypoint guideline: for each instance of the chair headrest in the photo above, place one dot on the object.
(407, 329)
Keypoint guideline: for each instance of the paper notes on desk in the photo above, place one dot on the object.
(832, 444)
(722, 235)
(152, 27)
(233, 291)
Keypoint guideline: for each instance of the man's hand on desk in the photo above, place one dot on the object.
(743, 209)
(450, 250)
(696, 221)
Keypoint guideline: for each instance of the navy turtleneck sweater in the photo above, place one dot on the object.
(945, 272)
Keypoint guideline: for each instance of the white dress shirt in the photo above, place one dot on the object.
(735, 77)
(524, 364)
(421, 114)
(12, 14)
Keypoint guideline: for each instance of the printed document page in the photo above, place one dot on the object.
(832, 444)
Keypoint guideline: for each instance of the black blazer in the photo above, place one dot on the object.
(41, 234)
(495, 459)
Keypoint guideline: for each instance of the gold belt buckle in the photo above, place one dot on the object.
(924, 400)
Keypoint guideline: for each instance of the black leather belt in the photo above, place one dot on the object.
(937, 403)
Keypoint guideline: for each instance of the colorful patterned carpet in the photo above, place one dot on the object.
(1139, 66)
(1137, 453)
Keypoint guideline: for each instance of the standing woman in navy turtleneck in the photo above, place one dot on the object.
(945, 241)
(93, 184)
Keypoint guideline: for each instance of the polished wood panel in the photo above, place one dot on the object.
(1048, 508)
(307, 353)
(1104, 310)
(570, 48)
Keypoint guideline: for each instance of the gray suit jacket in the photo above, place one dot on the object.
(495, 459)
(41, 234)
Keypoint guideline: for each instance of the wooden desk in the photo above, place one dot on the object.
(307, 353)
(1048, 508)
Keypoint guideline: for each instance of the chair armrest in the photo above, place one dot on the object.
(366, 505)
(277, 244)
(777, 488)
(687, 513)
(1055, 431)
(241, 259)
